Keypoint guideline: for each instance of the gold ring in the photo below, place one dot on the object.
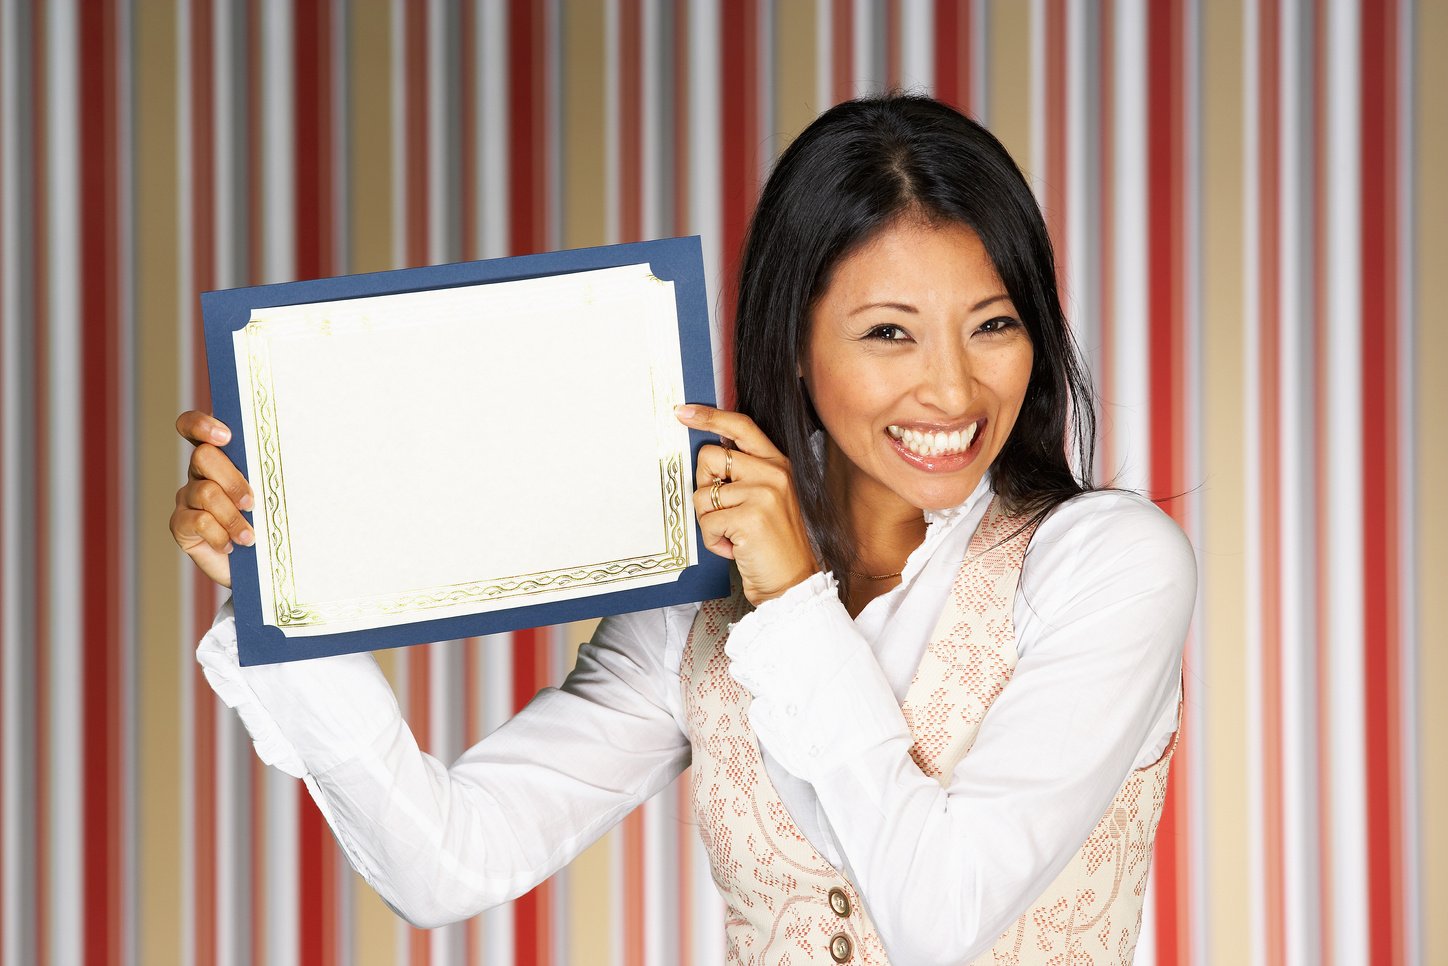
(714, 494)
(729, 464)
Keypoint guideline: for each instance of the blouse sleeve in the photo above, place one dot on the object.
(441, 843)
(1109, 582)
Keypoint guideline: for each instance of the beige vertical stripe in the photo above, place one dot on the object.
(1224, 661)
(795, 56)
(369, 156)
(158, 704)
(1430, 516)
(1009, 58)
(585, 191)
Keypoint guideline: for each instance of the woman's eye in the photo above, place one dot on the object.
(998, 324)
(887, 333)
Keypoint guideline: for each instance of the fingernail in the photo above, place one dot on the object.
(245, 502)
(219, 435)
(247, 538)
(230, 547)
(684, 412)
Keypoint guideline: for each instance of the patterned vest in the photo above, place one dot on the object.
(785, 904)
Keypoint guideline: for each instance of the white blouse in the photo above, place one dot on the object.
(1101, 615)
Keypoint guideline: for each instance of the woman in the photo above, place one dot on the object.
(912, 548)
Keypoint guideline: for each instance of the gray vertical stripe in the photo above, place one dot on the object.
(491, 57)
(63, 521)
(18, 643)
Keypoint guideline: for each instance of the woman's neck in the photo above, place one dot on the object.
(885, 528)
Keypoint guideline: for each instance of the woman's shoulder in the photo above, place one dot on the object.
(655, 636)
(1118, 538)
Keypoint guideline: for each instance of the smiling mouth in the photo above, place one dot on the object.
(934, 443)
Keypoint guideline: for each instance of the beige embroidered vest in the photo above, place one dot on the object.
(785, 904)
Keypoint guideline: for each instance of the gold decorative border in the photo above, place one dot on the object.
(288, 611)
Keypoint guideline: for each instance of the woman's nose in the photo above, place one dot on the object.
(948, 383)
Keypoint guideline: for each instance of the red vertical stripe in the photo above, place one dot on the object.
(531, 911)
(100, 347)
(527, 137)
(842, 51)
(1380, 484)
(951, 75)
(739, 94)
(1055, 100)
(1166, 308)
(1269, 359)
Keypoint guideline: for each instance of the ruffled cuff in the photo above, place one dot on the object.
(217, 655)
(820, 698)
(303, 716)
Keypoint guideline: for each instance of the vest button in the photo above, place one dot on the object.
(841, 948)
(839, 902)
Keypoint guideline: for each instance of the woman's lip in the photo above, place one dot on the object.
(943, 463)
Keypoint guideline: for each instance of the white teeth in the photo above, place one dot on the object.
(934, 444)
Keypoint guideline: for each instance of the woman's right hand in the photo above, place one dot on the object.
(207, 520)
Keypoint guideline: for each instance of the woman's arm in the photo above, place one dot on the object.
(1108, 587)
(441, 843)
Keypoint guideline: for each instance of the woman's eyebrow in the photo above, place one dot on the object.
(905, 307)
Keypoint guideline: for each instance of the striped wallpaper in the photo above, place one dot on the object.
(1253, 247)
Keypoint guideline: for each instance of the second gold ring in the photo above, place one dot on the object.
(714, 494)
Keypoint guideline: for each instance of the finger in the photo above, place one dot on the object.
(729, 495)
(189, 525)
(718, 463)
(198, 427)
(736, 426)
(208, 495)
(210, 463)
(713, 532)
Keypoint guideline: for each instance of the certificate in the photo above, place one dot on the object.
(458, 450)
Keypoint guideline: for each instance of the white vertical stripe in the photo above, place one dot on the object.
(492, 80)
(440, 194)
(917, 45)
(613, 172)
(278, 264)
(445, 734)
(824, 54)
(12, 728)
(1251, 474)
(226, 200)
(661, 874)
(66, 603)
(616, 898)
(657, 129)
(707, 910)
(1296, 517)
(866, 70)
(1080, 295)
(979, 65)
(1407, 422)
(1036, 99)
(705, 176)
(495, 688)
(1128, 400)
(1344, 633)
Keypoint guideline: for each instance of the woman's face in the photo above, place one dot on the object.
(917, 364)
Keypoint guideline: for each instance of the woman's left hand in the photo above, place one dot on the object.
(758, 523)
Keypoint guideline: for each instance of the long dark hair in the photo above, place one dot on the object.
(858, 167)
